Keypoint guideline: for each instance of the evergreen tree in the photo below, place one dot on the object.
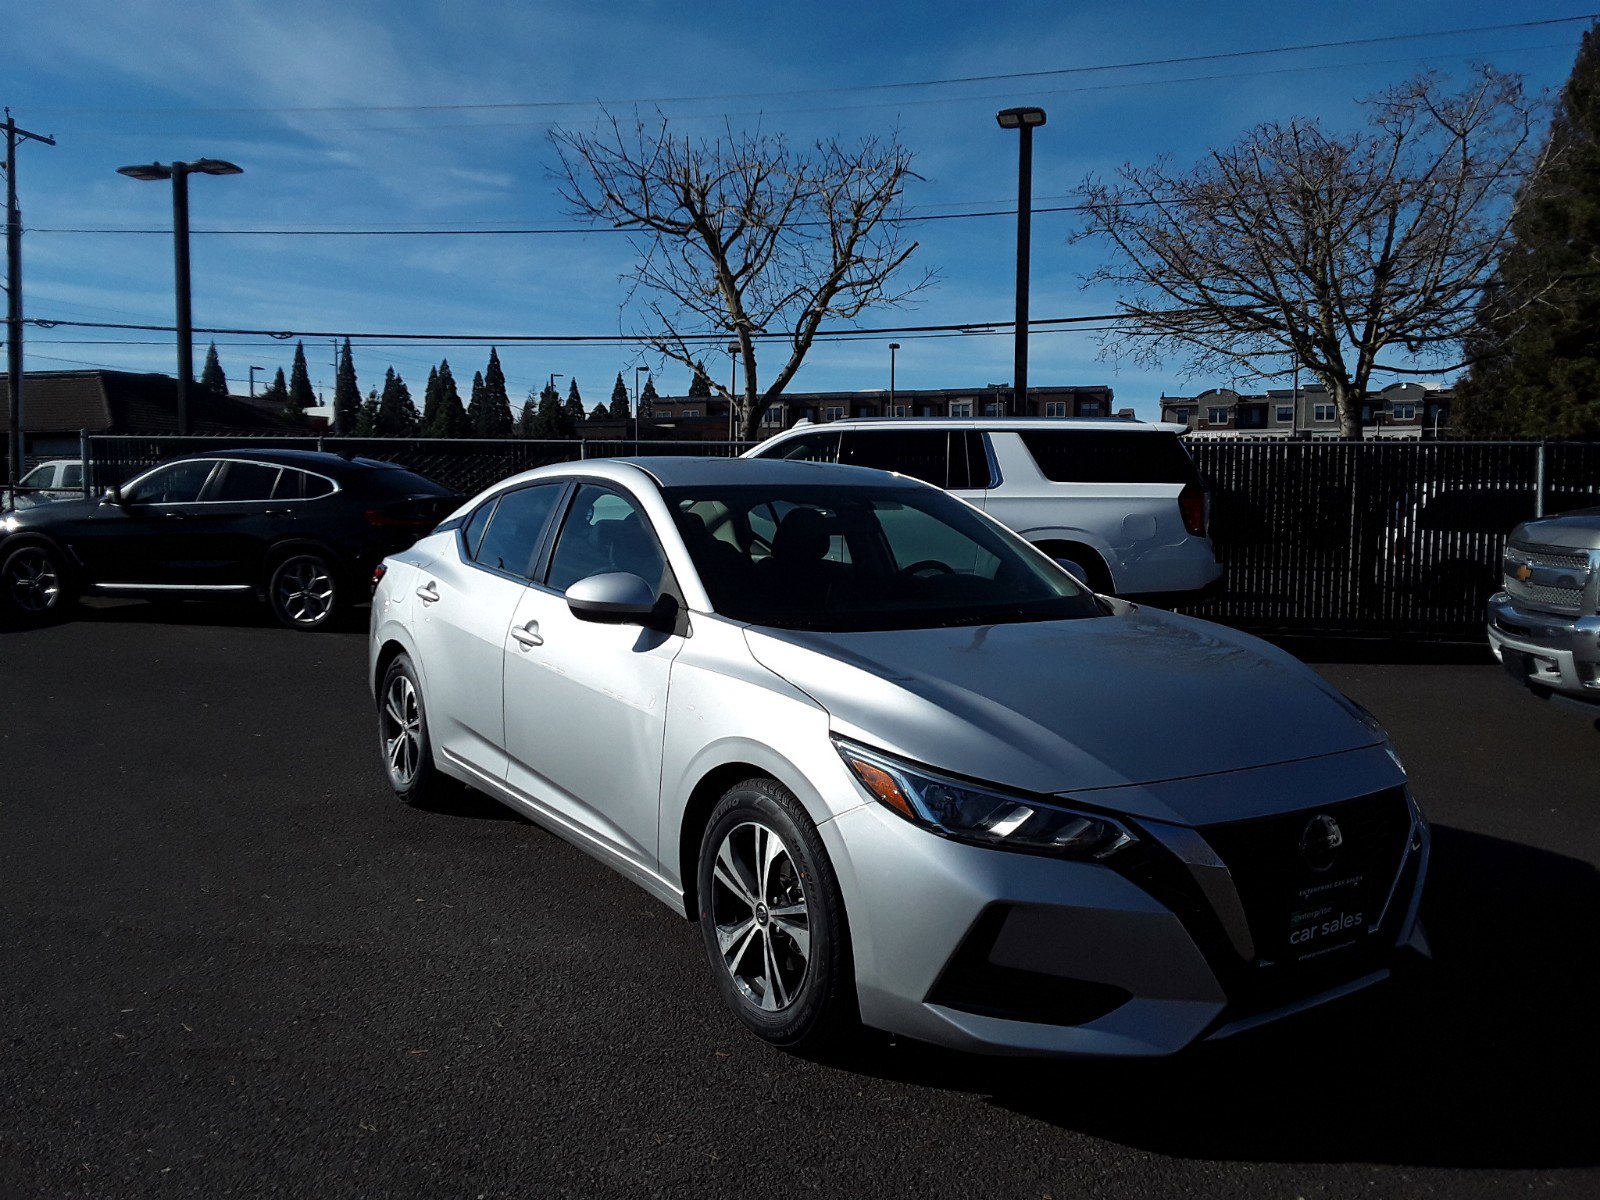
(648, 398)
(346, 393)
(495, 415)
(475, 405)
(700, 385)
(528, 420)
(301, 397)
(276, 393)
(430, 401)
(574, 410)
(621, 406)
(551, 419)
(366, 423)
(397, 412)
(1535, 348)
(600, 413)
(449, 418)
(211, 377)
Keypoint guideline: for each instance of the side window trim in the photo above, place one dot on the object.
(204, 486)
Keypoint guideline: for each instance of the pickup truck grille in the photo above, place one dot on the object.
(1551, 578)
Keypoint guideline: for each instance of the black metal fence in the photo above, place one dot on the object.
(1379, 537)
(466, 464)
(1317, 537)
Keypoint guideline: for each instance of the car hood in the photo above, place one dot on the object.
(1575, 530)
(1135, 698)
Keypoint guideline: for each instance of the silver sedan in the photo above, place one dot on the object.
(902, 768)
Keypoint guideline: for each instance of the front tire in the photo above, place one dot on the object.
(403, 736)
(304, 591)
(773, 920)
(34, 583)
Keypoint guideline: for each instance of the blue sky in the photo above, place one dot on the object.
(136, 80)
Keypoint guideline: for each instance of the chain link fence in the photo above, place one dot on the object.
(1316, 537)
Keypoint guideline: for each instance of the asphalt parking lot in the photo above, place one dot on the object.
(234, 965)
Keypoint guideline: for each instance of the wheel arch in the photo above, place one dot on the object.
(1101, 576)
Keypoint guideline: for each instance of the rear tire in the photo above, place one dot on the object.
(304, 591)
(403, 737)
(34, 583)
(774, 922)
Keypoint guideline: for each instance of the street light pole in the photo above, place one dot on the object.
(1023, 120)
(253, 371)
(893, 346)
(179, 173)
(733, 379)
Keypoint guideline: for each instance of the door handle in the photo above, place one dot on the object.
(430, 593)
(527, 635)
(172, 516)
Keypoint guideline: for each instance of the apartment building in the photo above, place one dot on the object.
(992, 400)
(1401, 410)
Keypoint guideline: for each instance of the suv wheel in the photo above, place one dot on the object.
(304, 591)
(773, 919)
(34, 584)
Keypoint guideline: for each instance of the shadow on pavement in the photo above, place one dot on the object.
(1486, 1058)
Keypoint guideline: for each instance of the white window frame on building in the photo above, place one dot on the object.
(961, 408)
(1091, 408)
(1325, 412)
(833, 412)
(690, 412)
(1217, 416)
(1055, 408)
(1285, 413)
(1406, 411)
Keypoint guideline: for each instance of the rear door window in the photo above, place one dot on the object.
(511, 541)
(244, 481)
(1110, 456)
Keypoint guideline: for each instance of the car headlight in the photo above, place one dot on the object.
(969, 812)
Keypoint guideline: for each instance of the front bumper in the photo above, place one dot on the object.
(1552, 655)
(1008, 953)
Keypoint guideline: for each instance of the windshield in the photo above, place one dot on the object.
(841, 558)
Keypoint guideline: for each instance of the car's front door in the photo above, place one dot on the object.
(146, 537)
(464, 602)
(586, 703)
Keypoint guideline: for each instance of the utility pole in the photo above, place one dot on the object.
(15, 134)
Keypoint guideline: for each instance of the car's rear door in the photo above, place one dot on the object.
(461, 616)
(228, 530)
(586, 703)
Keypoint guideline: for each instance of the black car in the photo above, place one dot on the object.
(299, 529)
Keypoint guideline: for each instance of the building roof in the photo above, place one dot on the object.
(126, 402)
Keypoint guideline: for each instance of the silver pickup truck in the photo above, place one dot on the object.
(1544, 623)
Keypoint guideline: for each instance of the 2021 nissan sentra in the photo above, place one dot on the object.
(900, 766)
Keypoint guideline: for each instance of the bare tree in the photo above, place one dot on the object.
(745, 237)
(1298, 244)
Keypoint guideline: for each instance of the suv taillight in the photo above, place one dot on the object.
(1192, 507)
(378, 573)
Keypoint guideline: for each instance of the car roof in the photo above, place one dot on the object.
(675, 470)
(991, 423)
(311, 460)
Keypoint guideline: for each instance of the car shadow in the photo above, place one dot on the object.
(233, 613)
(458, 800)
(1484, 1058)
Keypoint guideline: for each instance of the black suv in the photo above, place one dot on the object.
(299, 529)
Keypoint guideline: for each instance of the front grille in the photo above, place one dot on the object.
(1546, 577)
(1285, 894)
(1264, 858)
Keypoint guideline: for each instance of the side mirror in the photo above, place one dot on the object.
(112, 496)
(614, 598)
(1079, 575)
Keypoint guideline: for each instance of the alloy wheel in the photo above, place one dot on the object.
(758, 905)
(402, 730)
(304, 590)
(32, 581)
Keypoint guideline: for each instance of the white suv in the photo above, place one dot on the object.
(1118, 502)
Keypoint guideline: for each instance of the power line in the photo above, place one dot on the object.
(845, 89)
(607, 339)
